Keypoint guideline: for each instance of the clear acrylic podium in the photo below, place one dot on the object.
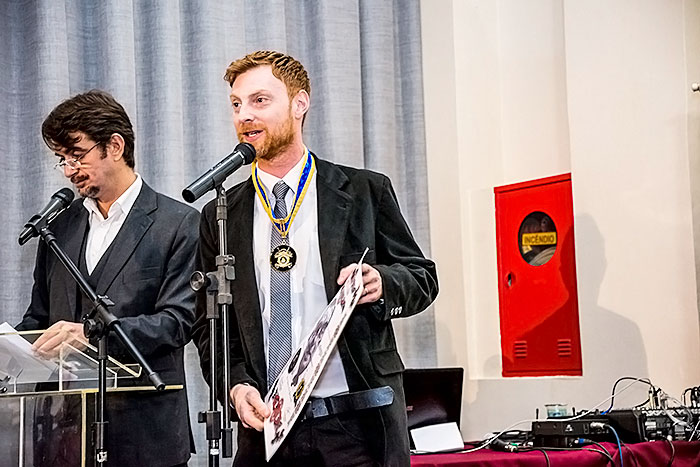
(47, 406)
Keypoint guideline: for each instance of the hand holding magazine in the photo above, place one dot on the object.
(292, 388)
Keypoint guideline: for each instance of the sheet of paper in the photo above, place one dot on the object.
(437, 438)
(293, 386)
(18, 361)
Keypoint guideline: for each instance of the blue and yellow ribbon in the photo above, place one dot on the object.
(282, 225)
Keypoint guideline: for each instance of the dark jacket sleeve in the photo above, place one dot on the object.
(409, 280)
(37, 314)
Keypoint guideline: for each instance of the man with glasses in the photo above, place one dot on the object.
(137, 247)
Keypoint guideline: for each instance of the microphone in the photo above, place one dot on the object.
(59, 201)
(242, 154)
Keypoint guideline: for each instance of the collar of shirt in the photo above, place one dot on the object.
(122, 204)
(291, 179)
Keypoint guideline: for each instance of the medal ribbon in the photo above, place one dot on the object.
(283, 225)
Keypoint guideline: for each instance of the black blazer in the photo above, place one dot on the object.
(146, 274)
(356, 209)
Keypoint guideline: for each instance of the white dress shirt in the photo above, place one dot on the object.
(308, 292)
(103, 230)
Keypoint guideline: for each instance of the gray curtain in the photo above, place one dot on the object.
(164, 61)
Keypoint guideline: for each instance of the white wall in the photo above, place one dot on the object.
(518, 90)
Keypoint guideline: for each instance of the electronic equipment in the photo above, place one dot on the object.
(433, 395)
(553, 433)
(631, 425)
(676, 423)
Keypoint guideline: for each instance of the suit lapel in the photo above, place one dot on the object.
(334, 204)
(333, 217)
(137, 223)
(244, 288)
(72, 246)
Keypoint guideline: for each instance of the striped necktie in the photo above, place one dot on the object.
(280, 332)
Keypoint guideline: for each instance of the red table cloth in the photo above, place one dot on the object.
(651, 454)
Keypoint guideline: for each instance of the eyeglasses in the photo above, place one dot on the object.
(73, 163)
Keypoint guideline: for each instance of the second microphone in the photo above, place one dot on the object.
(243, 154)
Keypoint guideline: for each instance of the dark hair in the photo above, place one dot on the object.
(95, 113)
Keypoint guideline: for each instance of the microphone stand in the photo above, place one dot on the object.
(218, 300)
(98, 323)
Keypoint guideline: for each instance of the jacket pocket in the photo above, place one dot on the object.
(386, 361)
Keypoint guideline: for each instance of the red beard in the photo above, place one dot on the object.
(273, 141)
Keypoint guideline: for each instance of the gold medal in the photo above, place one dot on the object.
(283, 258)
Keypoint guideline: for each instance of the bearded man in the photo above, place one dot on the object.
(297, 227)
(134, 245)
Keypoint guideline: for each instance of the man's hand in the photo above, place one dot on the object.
(249, 406)
(49, 344)
(371, 280)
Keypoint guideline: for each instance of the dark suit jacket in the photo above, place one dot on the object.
(356, 209)
(146, 274)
